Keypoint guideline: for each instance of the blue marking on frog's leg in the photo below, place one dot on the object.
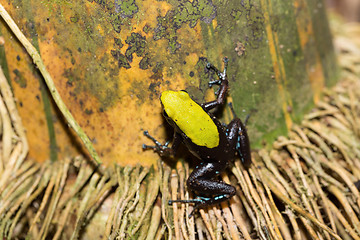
(203, 181)
(211, 83)
(221, 197)
(238, 146)
(201, 202)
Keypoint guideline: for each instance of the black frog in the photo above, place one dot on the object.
(214, 143)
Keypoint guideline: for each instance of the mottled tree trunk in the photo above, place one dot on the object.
(110, 61)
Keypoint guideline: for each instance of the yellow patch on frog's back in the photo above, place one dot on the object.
(191, 118)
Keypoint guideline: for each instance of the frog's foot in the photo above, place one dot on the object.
(162, 149)
(201, 202)
(215, 82)
(234, 114)
(247, 119)
(221, 75)
(232, 109)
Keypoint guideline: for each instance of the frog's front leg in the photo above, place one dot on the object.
(162, 149)
(224, 85)
(202, 181)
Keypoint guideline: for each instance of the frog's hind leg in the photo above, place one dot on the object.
(201, 181)
(238, 137)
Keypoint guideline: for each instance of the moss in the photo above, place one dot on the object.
(256, 27)
(19, 78)
(145, 63)
(121, 59)
(74, 19)
(118, 42)
(105, 88)
(118, 12)
(146, 29)
(236, 14)
(158, 71)
(127, 8)
(88, 111)
(185, 12)
(107, 4)
(140, 90)
(137, 44)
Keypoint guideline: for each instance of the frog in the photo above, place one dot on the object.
(215, 144)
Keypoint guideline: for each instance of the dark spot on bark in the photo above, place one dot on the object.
(153, 86)
(118, 42)
(146, 28)
(144, 63)
(19, 78)
(88, 111)
(74, 19)
(136, 44)
(157, 70)
(121, 59)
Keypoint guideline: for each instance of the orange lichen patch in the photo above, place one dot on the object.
(100, 29)
(316, 77)
(118, 132)
(303, 22)
(152, 10)
(278, 64)
(30, 104)
(314, 68)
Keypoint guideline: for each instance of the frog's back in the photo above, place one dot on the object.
(191, 118)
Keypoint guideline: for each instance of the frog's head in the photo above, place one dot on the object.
(182, 112)
(172, 102)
